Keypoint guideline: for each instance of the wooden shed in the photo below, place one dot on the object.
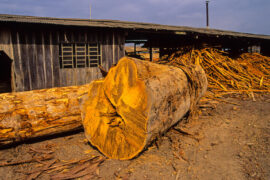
(41, 52)
(36, 55)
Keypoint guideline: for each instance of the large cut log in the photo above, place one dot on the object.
(38, 113)
(137, 102)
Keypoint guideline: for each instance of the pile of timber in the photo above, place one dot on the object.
(121, 114)
(250, 72)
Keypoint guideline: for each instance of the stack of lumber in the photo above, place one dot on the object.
(248, 73)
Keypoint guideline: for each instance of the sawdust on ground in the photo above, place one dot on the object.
(226, 141)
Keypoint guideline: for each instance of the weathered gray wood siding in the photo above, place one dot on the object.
(6, 46)
(35, 54)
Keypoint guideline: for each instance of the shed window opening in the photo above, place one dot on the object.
(79, 55)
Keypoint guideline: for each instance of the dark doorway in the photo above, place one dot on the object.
(5, 73)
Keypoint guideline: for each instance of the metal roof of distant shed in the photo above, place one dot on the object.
(124, 25)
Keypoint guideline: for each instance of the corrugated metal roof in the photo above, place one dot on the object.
(123, 25)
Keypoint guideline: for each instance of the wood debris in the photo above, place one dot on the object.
(248, 73)
(84, 168)
(34, 159)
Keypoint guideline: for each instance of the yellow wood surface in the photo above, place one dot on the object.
(135, 103)
(38, 113)
(116, 112)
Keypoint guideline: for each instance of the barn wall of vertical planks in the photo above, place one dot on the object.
(34, 51)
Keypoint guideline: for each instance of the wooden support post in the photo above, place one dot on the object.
(161, 52)
(151, 53)
(135, 48)
(113, 51)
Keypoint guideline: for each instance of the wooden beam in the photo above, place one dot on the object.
(151, 53)
(134, 48)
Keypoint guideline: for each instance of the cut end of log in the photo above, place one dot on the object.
(116, 112)
(136, 102)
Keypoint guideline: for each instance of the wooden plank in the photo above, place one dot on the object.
(5, 42)
(103, 52)
(68, 78)
(106, 56)
(66, 74)
(121, 46)
(11, 52)
(81, 72)
(62, 78)
(54, 43)
(84, 70)
(29, 58)
(67, 36)
(58, 65)
(40, 61)
(7, 46)
(90, 74)
(25, 60)
(100, 40)
(71, 74)
(110, 50)
(97, 39)
(48, 62)
(151, 53)
(116, 48)
(17, 62)
(119, 43)
(61, 37)
(32, 60)
(44, 59)
(51, 58)
(37, 83)
(74, 70)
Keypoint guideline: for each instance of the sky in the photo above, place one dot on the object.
(250, 16)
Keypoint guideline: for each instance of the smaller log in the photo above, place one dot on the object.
(39, 113)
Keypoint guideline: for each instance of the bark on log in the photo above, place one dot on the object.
(32, 114)
(136, 102)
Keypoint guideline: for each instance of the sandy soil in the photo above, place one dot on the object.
(226, 141)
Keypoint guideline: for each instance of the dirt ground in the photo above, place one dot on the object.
(226, 141)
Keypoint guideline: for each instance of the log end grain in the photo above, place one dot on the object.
(115, 118)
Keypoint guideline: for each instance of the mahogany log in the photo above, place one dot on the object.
(136, 102)
(38, 113)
